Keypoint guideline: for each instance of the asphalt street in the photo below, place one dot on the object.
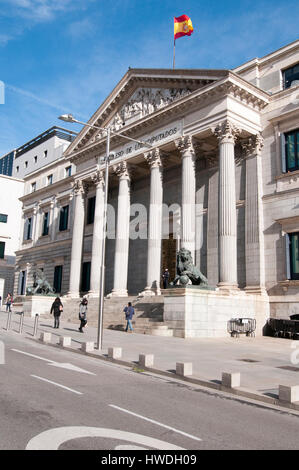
(51, 398)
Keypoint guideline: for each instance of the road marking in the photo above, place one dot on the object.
(64, 365)
(54, 438)
(57, 385)
(156, 422)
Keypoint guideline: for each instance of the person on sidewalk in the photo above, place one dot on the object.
(129, 311)
(83, 313)
(8, 301)
(57, 309)
(165, 278)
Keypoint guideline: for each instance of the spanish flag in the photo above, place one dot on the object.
(182, 26)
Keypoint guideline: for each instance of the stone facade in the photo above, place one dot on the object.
(214, 174)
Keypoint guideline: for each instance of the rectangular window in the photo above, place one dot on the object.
(90, 210)
(28, 229)
(22, 283)
(68, 171)
(2, 250)
(35, 159)
(291, 76)
(292, 150)
(3, 218)
(57, 278)
(50, 179)
(294, 255)
(33, 187)
(45, 153)
(64, 216)
(85, 280)
(45, 224)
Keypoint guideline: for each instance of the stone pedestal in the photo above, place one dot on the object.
(197, 313)
(40, 304)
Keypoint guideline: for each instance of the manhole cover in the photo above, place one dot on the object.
(248, 360)
(292, 368)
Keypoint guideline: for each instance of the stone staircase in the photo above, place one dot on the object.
(148, 318)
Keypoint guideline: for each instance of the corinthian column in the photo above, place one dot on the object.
(98, 230)
(227, 133)
(254, 237)
(185, 146)
(77, 240)
(153, 158)
(122, 232)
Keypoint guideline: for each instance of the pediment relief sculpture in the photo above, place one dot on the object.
(142, 103)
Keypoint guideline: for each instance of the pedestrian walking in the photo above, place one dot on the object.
(83, 314)
(129, 311)
(165, 277)
(57, 309)
(8, 301)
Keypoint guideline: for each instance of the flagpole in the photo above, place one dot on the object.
(173, 54)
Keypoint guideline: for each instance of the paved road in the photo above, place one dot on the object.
(105, 402)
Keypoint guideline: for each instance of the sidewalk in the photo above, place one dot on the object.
(259, 360)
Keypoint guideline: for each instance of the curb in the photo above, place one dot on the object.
(239, 392)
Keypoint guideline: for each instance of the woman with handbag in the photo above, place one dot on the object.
(83, 313)
(57, 309)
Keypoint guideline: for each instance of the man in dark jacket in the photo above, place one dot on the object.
(56, 309)
(129, 311)
(165, 277)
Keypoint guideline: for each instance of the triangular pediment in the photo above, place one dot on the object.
(139, 94)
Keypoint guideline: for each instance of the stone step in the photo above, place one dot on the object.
(160, 332)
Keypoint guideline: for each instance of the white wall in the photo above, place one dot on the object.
(54, 147)
(11, 190)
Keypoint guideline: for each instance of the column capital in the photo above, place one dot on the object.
(226, 132)
(253, 145)
(153, 158)
(98, 178)
(80, 187)
(185, 144)
(122, 170)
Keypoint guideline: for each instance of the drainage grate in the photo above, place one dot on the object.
(292, 368)
(248, 360)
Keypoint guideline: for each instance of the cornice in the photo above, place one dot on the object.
(40, 192)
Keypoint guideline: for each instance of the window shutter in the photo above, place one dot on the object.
(288, 261)
(283, 153)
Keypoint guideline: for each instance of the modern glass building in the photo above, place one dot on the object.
(6, 164)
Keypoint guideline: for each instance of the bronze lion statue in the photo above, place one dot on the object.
(186, 271)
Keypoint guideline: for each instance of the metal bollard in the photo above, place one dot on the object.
(21, 322)
(35, 324)
(8, 321)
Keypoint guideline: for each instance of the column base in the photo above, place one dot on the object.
(150, 292)
(226, 286)
(93, 293)
(117, 293)
(258, 290)
(73, 295)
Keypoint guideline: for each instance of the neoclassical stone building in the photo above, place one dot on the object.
(221, 179)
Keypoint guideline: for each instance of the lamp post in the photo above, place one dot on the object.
(70, 118)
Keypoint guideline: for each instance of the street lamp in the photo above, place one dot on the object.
(70, 118)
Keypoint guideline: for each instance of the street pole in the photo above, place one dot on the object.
(102, 284)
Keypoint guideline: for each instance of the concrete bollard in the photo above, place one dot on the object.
(146, 360)
(184, 368)
(114, 353)
(88, 346)
(231, 379)
(46, 337)
(289, 393)
(65, 341)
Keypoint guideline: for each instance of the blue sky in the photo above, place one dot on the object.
(61, 56)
